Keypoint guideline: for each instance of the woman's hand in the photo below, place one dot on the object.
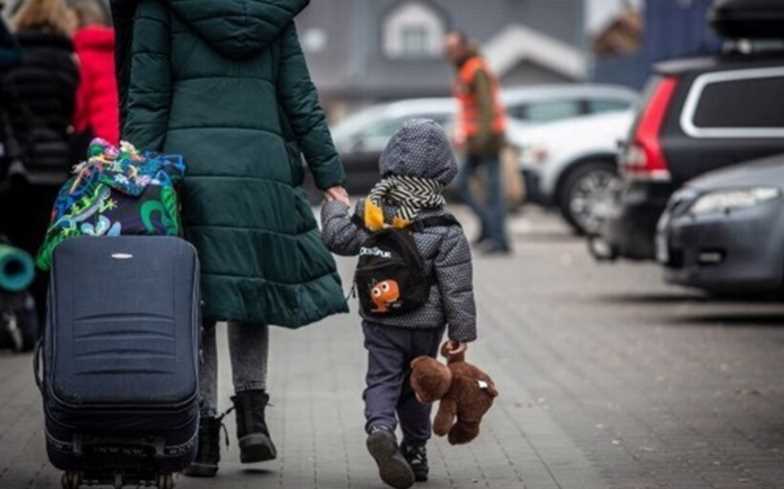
(337, 193)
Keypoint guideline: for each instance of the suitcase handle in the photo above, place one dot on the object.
(37, 363)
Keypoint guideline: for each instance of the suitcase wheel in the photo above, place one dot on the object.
(71, 480)
(165, 481)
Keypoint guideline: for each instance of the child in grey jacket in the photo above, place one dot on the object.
(415, 167)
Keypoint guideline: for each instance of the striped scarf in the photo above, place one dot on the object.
(409, 195)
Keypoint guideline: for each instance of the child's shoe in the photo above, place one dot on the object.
(392, 466)
(416, 456)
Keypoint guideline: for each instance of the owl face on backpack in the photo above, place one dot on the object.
(384, 295)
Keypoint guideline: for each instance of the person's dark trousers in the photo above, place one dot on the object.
(388, 392)
(492, 212)
(25, 211)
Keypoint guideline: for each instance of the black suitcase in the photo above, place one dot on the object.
(748, 19)
(118, 368)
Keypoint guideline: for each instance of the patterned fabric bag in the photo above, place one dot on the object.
(117, 191)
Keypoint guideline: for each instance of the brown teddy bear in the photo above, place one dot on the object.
(465, 392)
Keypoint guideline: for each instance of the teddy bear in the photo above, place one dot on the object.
(465, 393)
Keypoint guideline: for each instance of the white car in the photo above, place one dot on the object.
(362, 136)
(572, 164)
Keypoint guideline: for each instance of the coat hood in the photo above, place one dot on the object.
(238, 29)
(422, 149)
(95, 38)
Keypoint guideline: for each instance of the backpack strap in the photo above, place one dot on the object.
(419, 225)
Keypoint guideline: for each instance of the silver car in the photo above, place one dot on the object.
(724, 231)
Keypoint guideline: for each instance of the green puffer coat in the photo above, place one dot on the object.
(224, 82)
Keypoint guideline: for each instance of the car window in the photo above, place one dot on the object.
(518, 111)
(745, 103)
(552, 110)
(377, 134)
(598, 106)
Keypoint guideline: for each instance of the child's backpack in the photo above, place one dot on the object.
(391, 279)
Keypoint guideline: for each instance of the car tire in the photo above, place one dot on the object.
(585, 185)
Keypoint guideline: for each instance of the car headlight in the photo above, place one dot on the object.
(726, 200)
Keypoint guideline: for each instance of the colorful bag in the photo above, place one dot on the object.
(117, 191)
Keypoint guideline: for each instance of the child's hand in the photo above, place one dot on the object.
(337, 193)
(455, 347)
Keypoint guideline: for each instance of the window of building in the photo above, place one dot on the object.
(413, 30)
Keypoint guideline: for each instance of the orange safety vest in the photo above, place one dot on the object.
(468, 121)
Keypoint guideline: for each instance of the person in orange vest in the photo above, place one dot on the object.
(480, 132)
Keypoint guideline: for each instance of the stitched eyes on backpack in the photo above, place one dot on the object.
(385, 295)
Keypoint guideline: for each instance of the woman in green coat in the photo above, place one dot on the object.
(225, 83)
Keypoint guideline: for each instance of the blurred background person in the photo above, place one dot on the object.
(9, 57)
(481, 127)
(97, 108)
(41, 90)
(9, 50)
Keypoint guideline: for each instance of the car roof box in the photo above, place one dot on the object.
(748, 19)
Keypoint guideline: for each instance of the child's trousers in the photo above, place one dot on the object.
(388, 392)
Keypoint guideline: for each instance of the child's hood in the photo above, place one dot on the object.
(422, 149)
(238, 29)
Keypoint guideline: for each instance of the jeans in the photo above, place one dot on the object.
(248, 350)
(492, 213)
(388, 392)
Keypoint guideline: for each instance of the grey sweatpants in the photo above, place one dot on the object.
(248, 350)
(388, 392)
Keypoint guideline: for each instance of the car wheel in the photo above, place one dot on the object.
(587, 191)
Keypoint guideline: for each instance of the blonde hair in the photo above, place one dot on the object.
(51, 15)
(89, 12)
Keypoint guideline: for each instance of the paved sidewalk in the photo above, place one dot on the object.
(608, 379)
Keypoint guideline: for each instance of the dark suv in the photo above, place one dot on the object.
(698, 115)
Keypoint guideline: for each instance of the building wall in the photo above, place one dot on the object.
(673, 28)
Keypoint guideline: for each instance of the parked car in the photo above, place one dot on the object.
(699, 115)
(572, 164)
(724, 231)
(362, 136)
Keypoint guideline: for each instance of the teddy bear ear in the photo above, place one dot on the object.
(417, 360)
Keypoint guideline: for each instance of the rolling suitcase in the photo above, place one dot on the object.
(118, 365)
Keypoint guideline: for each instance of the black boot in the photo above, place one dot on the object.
(392, 466)
(416, 456)
(208, 452)
(252, 433)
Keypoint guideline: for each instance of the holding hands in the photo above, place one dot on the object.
(337, 193)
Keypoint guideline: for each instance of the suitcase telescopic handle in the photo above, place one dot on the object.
(37, 364)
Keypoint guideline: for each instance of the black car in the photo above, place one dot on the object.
(724, 231)
(699, 115)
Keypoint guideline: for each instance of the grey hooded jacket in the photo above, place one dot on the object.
(420, 148)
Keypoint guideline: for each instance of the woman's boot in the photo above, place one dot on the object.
(208, 452)
(252, 433)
